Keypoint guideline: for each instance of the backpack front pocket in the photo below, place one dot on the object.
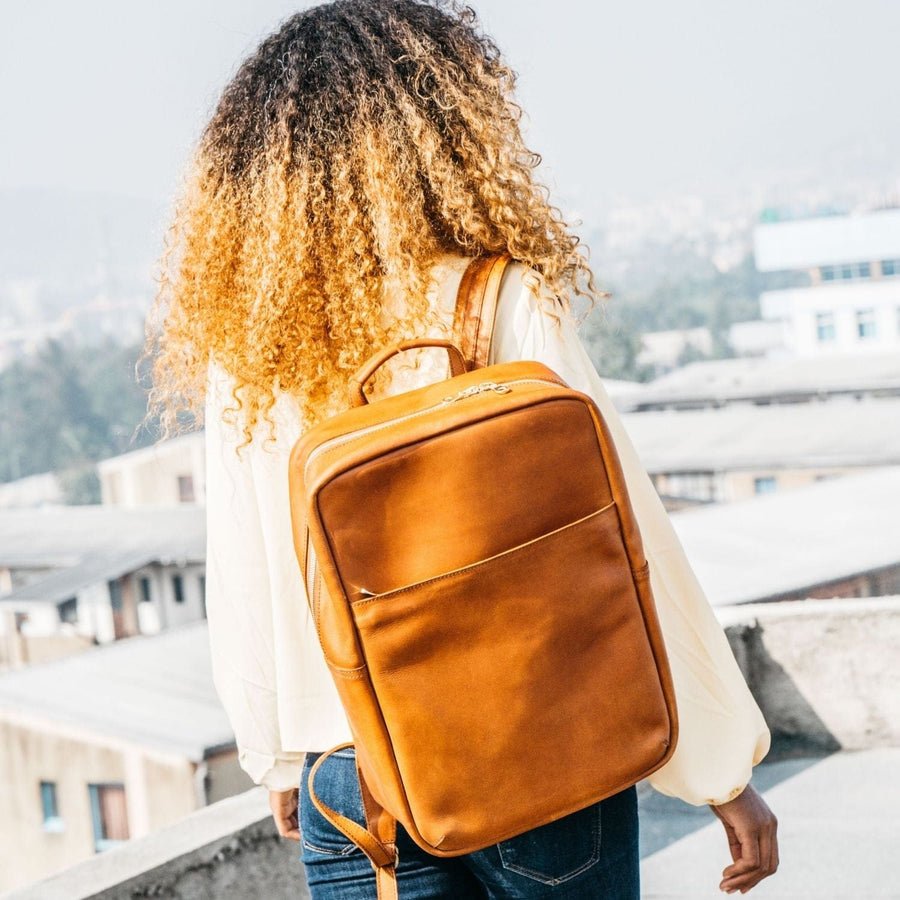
(481, 673)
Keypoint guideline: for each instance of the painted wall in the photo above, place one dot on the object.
(159, 789)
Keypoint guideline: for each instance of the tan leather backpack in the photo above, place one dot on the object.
(482, 598)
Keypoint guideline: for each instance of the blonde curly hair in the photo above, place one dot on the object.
(355, 146)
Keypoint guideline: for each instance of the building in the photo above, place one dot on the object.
(834, 538)
(727, 454)
(88, 574)
(30, 491)
(852, 301)
(717, 383)
(108, 745)
(165, 474)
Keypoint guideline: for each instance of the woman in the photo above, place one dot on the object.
(354, 164)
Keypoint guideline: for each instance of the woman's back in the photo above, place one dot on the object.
(359, 157)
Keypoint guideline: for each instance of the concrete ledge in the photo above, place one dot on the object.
(227, 851)
(824, 672)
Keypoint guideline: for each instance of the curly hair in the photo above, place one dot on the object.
(356, 145)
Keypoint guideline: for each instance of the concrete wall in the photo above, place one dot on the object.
(824, 672)
(223, 777)
(230, 851)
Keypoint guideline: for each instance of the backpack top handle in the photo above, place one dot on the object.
(358, 382)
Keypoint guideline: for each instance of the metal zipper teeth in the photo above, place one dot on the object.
(335, 442)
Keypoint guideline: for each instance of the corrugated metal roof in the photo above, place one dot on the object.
(837, 433)
(780, 543)
(155, 691)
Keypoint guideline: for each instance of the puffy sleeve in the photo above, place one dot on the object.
(722, 733)
(267, 664)
(239, 603)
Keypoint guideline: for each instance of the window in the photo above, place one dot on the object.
(825, 326)
(109, 815)
(52, 820)
(764, 485)
(178, 588)
(865, 323)
(203, 593)
(68, 610)
(185, 488)
(847, 271)
(890, 267)
(144, 588)
(115, 593)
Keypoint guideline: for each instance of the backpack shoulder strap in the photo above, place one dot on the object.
(476, 307)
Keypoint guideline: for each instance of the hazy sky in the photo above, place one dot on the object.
(624, 98)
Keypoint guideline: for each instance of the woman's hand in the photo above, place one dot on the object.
(284, 810)
(750, 826)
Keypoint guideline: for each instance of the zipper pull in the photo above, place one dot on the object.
(479, 389)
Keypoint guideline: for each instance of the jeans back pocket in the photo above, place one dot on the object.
(337, 787)
(558, 851)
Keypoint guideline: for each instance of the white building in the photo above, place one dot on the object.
(852, 304)
(165, 474)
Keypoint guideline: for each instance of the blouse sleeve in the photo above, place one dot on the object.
(238, 602)
(722, 733)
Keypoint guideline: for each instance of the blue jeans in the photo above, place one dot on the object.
(589, 855)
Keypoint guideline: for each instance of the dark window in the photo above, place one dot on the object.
(68, 610)
(178, 588)
(109, 815)
(115, 593)
(203, 593)
(827, 273)
(144, 584)
(49, 807)
(890, 267)
(186, 488)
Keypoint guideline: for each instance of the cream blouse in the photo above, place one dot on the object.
(267, 665)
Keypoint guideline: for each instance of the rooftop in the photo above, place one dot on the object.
(777, 544)
(87, 544)
(720, 381)
(840, 433)
(157, 691)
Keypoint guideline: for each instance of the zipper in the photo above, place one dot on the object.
(484, 387)
(311, 565)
